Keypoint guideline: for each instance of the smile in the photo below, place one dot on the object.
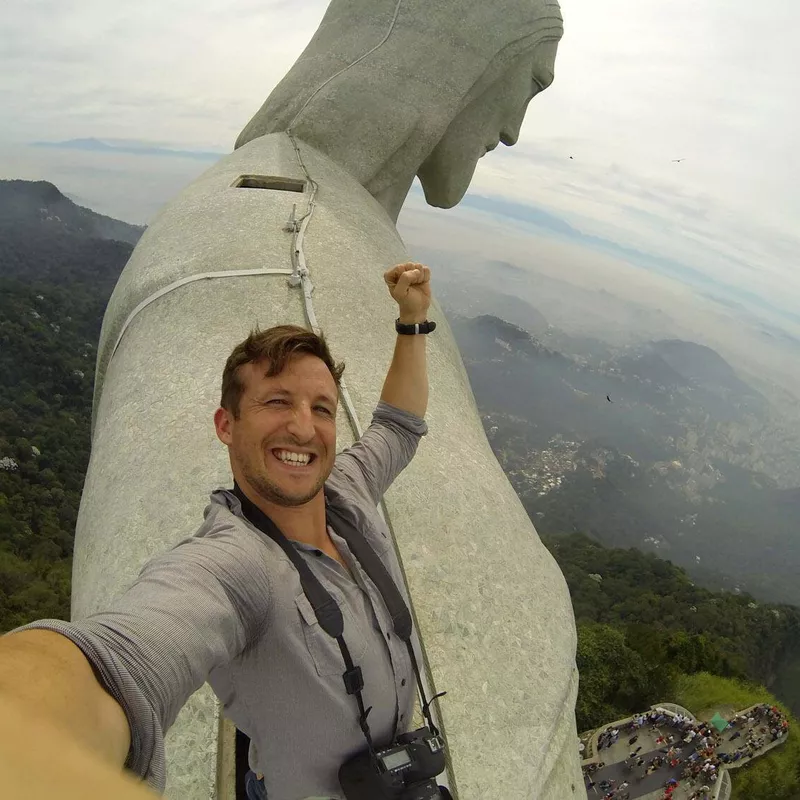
(293, 458)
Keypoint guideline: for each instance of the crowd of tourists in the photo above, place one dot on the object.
(694, 746)
(764, 723)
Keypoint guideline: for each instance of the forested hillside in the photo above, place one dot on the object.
(56, 276)
(647, 634)
(643, 623)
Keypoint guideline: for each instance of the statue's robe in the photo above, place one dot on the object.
(492, 607)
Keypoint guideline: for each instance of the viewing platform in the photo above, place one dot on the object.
(667, 745)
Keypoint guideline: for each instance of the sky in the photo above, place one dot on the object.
(639, 84)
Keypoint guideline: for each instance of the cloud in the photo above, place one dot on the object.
(657, 216)
(190, 73)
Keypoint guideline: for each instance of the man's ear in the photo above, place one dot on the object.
(223, 421)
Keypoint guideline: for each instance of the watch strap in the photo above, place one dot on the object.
(418, 327)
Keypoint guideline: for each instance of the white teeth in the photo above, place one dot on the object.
(293, 458)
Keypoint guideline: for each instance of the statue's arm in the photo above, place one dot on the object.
(191, 609)
(383, 451)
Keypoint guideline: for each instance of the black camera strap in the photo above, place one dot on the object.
(327, 611)
(398, 610)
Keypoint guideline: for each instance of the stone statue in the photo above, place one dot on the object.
(282, 230)
(389, 90)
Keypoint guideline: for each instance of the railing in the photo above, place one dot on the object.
(724, 787)
(674, 708)
(765, 749)
(591, 752)
(591, 745)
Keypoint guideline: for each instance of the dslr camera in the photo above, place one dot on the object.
(405, 770)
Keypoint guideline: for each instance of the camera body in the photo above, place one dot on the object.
(405, 770)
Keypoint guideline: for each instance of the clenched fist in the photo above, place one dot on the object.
(410, 285)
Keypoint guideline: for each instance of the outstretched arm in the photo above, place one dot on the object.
(40, 759)
(191, 609)
(406, 384)
(47, 674)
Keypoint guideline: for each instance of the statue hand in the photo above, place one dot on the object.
(410, 285)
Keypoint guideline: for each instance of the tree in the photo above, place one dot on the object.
(613, 678)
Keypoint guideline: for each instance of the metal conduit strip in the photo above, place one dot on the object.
(300, 276)
(233, 273)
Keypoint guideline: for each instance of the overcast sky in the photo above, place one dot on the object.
(638, 84)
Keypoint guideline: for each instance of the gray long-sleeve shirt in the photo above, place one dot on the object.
(226, 606)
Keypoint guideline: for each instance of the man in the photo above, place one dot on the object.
(226, 605)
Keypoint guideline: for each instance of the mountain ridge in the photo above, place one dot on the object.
(627, 449)
(95, 145)
(41, 209)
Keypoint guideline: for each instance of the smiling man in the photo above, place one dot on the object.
(227, 606)
(277, 416)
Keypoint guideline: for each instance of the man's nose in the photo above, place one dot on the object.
(301, 423)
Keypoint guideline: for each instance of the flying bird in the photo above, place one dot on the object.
(609, 399)
(678, 160)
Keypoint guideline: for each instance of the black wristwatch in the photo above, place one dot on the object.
(417, 327)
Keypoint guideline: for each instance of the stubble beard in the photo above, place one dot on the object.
(272, 493)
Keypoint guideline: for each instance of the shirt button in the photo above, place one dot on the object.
(403, 682)
(388, 637)
(402, 717)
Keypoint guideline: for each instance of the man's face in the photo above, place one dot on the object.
(283, 445)
(496, 116)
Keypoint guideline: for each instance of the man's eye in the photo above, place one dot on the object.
(325, 410)
(277, 400)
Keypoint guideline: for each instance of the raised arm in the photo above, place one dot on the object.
(406, 384)
(384, 450)
(390, 442)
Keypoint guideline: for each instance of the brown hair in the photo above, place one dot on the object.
(276, 345)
